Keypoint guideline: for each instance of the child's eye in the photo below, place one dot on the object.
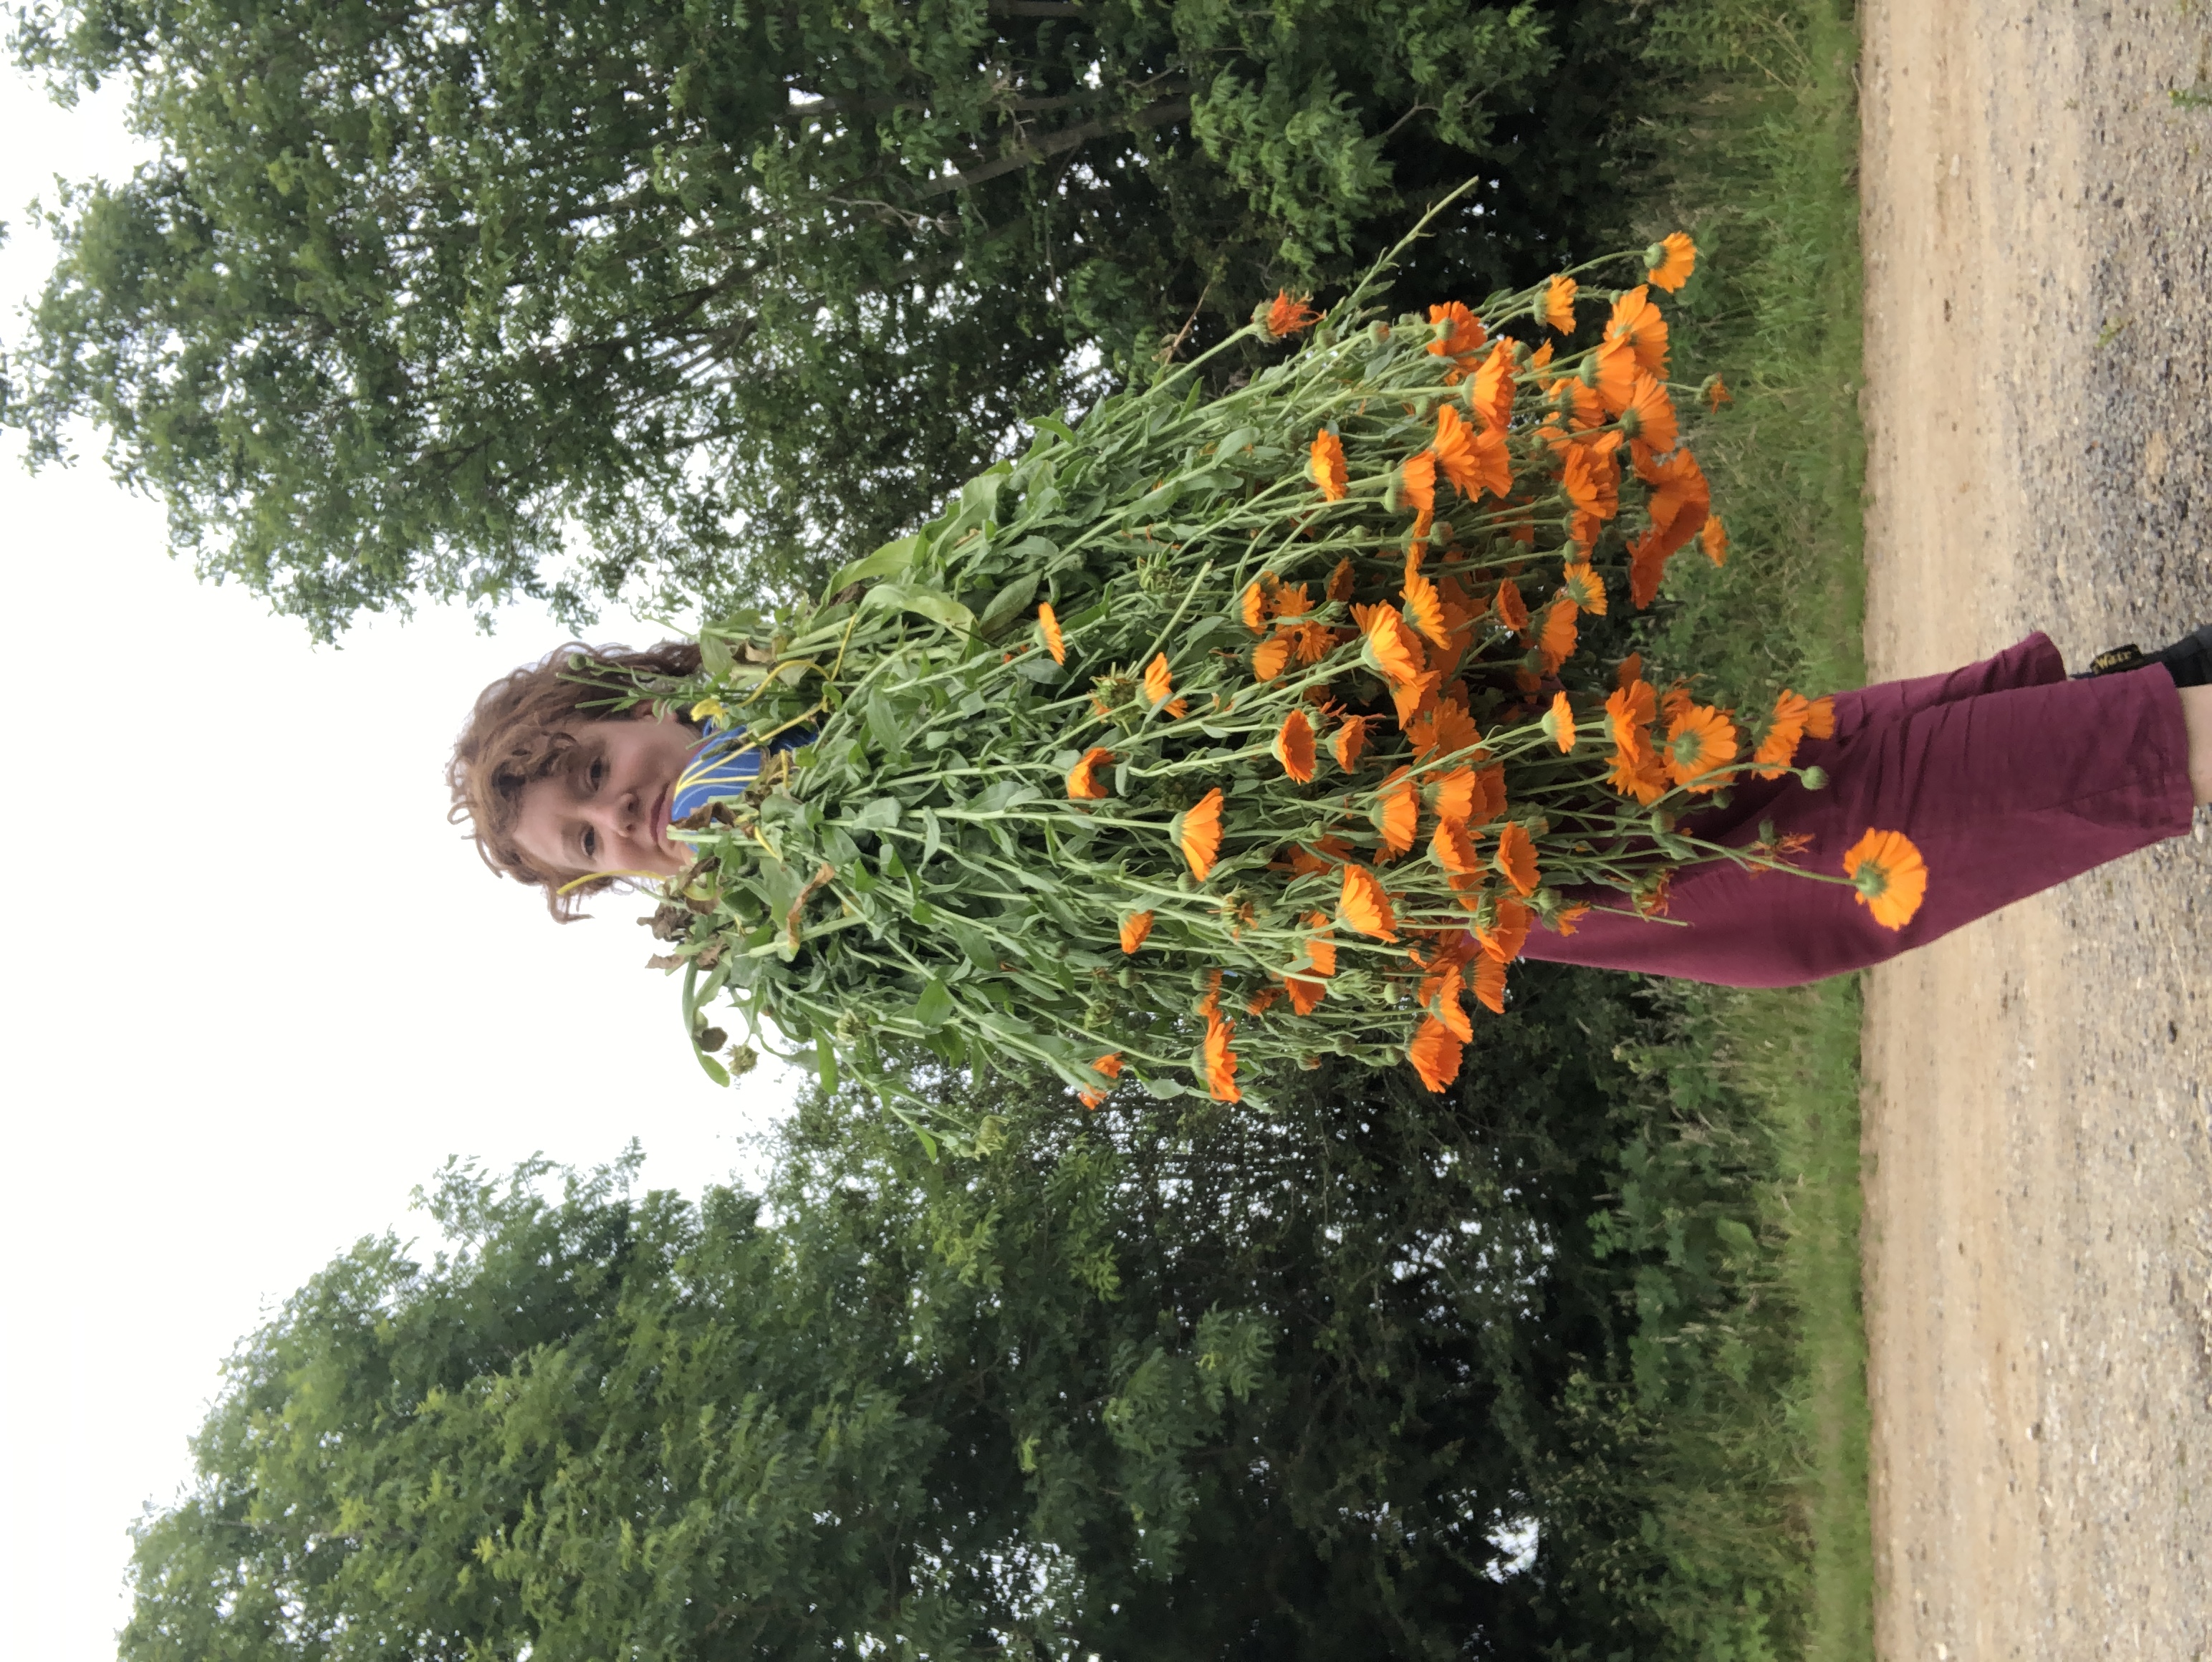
(595, 774)
(590, 844)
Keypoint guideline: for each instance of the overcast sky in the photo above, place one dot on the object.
(254, 993)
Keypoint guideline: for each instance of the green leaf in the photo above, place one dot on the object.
(825, 1059)
(891, 557)
(714, 654)
(1007, 605)
(933, 603)
(934, 1005)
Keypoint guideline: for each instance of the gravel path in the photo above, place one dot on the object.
(2037, 220)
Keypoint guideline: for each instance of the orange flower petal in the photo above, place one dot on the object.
(1271, 657)
(1560, 724)
(1489, 987)
(1200, 836)
(1304, 994)
(1516, 859)
(1049, 621)
(1890, 876)
(1399, 818)
(1082, 782)
(1108, 1065)
(1294, 746)
(1221, 1061)
(1676, 258)
(1134, 927)
(1159, 680)
(1436, 1053)
(1325, 463)
(1559, 304)
(1350, 739)
(1363, 905)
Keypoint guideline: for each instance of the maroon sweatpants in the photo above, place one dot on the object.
(2006, 776)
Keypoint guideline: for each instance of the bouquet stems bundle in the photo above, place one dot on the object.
(1224, 731)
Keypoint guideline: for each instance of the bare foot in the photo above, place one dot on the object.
(2196, 718)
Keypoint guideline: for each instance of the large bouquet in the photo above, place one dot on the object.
(1222, 731)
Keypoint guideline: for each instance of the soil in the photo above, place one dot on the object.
(2038, 234)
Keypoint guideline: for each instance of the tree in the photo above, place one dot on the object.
(463, 299)
(1166, 1381)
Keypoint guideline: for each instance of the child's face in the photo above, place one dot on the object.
(607, 808)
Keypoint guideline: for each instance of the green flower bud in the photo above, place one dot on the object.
(1815, 778)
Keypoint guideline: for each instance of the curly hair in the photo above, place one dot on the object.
(522, 727)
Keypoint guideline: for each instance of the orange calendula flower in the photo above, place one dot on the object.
(1399, 812)
(1393, 646)
(1629, 671)
(1436, 1053)
(1271, 657)
(1512, 610)
(1474, 458)
(1286, 316)
(1221, 1061)
(1159, 680)
(1700, 740)
(1453, 847)
(1489, 985)
(1321, 950)
(1820, 719)
(1635, 321)
(1672, 258)
(1350, 739)
(1255, 607)
(1649, 415)
(1714, 540)
(1424, 609)
(1411, 697)
(1890, 876)
(1294, 746)
(1111, 1067)
(1584, 586)
(1559, 304)
(1466, 336)
(1572, 916)
(1516, 859)
(1048, 622)
(1556, 640)
(1363, 905)
(1311, 642)
(1559, 724)
(1200, 835)
(1304, 994)
(1445, 998)
(1084, 784)
(1490, 395)
(1617, 370)
(1592, 480)
(1635, 769)
(1503, 940)
(1717, 394)
(1681, 496)
(1134, 927)
(1460, 799)
(1210, 1005)
(1262, 1001)
(1326, 463)
(1341, 580)
(1779, 748)
(1417, 482)
(1289, 600)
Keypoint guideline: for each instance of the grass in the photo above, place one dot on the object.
(1760, 159)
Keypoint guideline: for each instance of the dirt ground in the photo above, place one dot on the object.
(2037, 221)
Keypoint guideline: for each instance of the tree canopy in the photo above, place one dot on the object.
(1165, 1381)
(468, 299)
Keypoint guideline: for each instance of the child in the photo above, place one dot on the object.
(2007, 776)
